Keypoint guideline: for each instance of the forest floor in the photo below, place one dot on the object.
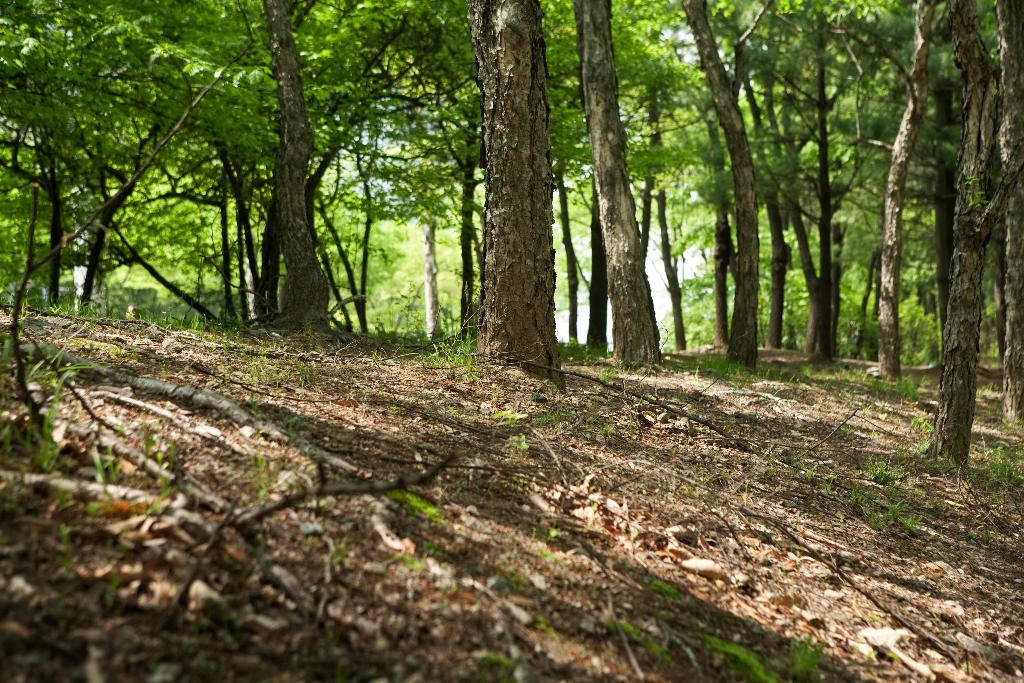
(344, 511)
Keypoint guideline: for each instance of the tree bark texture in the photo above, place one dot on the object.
(597, 323)
(824, 343)
(954, 418)
(743, 337)
(810, 278)
(634, 328)
(517, 320)
(723, 259)
(305, 294)
(889, 346)
(571, 276)
(1010, 21)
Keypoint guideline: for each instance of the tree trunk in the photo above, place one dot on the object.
(305, 291)
(945, 201)
(517, 301)
(999, 286)
(225, 263)
(723, 257)
(810, 279)
(824, 344)
(646, 204)
(466, 231)
(634, 328)
(364, 245)
(571, 277)
(951, 436)
(780, 266)
(873, 264)
(1010, 20)
(743, 337)
(835, 296)
(106, 220)
(671, 274)
(597, 324)
(430, 281)
(892, 214)
(56, 233)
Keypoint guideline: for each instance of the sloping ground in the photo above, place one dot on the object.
(700, 523)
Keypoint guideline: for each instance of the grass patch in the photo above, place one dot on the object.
(417, 506)
(642, 639)
(666, 589)
(743, 660)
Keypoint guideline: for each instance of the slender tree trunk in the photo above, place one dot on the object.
(873, 264)
(671, 274)
(634, 328)
(723, 258)
(597, 324)
(835, 304)
(743, 337)
(892, 214)
(824, 346)
(52, 186)
(466, 234)
(106, 219)
(305, 291)
(350, 275)
(999, 286)
(225, 262)
(432, 310)
(945, 200)
(646, 204)
(571, 277)
(810, 279)
(174, 289)
(1010, 20)
(951, 436)
(517, 301)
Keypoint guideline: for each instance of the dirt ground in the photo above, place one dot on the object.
(329, 510)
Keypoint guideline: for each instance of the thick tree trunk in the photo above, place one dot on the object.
(466, 234)
(945, 200)
(1010, 20)
(634, 328)
(671, 274)
(824, 344)
(597, 323)
(892, 214)
(957, 389)
(517, 320)
(430, 302)
(571, 276)
(723, 259)
(305, 291)
(743, 337)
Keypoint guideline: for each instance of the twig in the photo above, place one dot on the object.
(345, 488)
(625, 640)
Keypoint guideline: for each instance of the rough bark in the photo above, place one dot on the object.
(571, 276)
(634, 328)
(999, 287)
(743, 337)
(954, 418)
(305, 293)
(945, 201)
(892, 215)
(671, 274)
(646, 205)
(1010, 20)
(517, 302)
(430, 303)
(597, 323)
